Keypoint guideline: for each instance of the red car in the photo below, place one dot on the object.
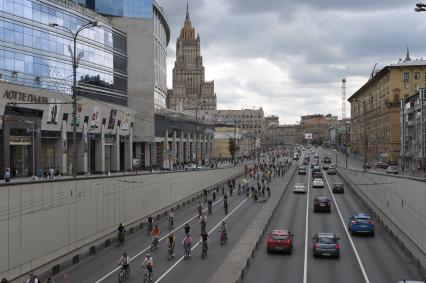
(280, 241)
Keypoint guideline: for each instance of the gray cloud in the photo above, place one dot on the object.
(310, 44)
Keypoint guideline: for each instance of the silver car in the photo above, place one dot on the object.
(299, 188)
(392, 170)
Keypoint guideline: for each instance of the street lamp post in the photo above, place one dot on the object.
(75, 61)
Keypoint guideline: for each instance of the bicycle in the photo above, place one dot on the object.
(120, 239)
(187, 252)
(171, 223)
(124, 273)
(170, 253)
(204, 250)
(223, 238)
(147, 276)
(154, 243)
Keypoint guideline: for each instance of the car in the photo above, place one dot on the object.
(322, 204)
(410, 281)
(317, 175)
(338, 188)
(299, 188)
(316, 155)
(326, 159)
(325, 166)
(305, 162)
(392, 170)
(326, 244)
(301, 171)
(367, 165)
(315, 169)
(280, 241)
(361, 223)
(193, 167)
(331, 170)
(318, 183)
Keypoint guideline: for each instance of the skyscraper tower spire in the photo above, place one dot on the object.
(407, 57)
(187, 12)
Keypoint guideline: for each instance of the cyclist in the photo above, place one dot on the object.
(200, 209)
(33, 279)
(121, 231)
(203, 222)
(150, 222)
(187, 229)
(148, 263)
(210, 206)
(204, 239)
(171, 241)
(187, 243)
(124, 262)
(156, 234)
(171, 218)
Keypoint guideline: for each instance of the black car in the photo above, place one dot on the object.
(326, 244)
(322, 204)
(338, 188)
(317, 175)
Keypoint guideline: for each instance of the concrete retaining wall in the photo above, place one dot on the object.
(398, 203)
(40, 222)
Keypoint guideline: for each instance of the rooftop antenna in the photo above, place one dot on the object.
(372, 73)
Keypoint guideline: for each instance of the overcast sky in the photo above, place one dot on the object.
(290, 56)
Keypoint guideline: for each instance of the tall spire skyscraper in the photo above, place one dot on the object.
(190, 90)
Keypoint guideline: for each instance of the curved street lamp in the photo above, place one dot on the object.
(75, 59)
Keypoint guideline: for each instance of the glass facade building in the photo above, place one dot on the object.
(121, 8)
(34, 54)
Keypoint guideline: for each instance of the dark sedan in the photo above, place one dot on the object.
(338, 188)
(322, 204)
(326, 244)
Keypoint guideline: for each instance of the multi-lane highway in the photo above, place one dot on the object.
(103, 267)
(362, 259)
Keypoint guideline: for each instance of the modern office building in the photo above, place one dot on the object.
(190, 90)
(35, 85)
(148, 34)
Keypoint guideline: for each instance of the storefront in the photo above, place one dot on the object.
(36, 132)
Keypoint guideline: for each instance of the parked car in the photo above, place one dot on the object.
(331, 170)
(392, 170)
(299, 188)
(301, 171)
(326, 244)
(361, 223)
(338, 188)
(318, 183)
(322, 204)
(280, 241)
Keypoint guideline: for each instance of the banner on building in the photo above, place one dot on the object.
(94, 122)
(53, 114)
(112, 118)
(308, 136)
(125, 122)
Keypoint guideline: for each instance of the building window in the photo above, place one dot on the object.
(417, 76)
(406, 77)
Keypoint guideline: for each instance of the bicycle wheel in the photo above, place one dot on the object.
(121, 276)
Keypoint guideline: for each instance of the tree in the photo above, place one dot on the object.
(233, 148)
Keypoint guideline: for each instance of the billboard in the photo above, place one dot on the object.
(308, 136)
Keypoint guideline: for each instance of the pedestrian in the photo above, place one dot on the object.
(269, 191)
(7, 175)
(33, 279)
(263, 192)
(4, 280)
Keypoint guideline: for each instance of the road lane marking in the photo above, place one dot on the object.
(361, 265)
(198, 243)
(305, 260)
(147, 248)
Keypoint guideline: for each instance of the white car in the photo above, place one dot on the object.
(299, 188)
(193, 167)
(318, 183)
(392, 170)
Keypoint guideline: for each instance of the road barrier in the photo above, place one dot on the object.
(47, 226)
(398, 203)
(237, 263)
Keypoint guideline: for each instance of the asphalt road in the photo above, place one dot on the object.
(103, 266)
(362, 259)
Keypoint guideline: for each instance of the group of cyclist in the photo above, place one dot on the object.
(155, 232)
